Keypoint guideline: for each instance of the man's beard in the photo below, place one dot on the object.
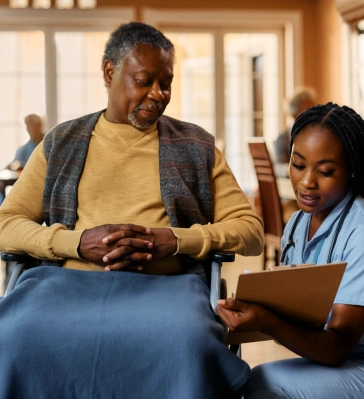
(148, 123)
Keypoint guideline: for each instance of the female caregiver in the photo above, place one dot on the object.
(327, 175)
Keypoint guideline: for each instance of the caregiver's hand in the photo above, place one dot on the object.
(242, 316)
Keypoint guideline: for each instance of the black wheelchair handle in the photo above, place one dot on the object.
(223, 257)
(6, 257)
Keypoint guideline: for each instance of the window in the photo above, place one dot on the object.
(80, 85)
(42, 3)
(352, 13)
(250, 62)
(18, 3)
(22, 79)
(50, 69)
(251, 97)
(360, 63)
(250, 104)
(193, 85)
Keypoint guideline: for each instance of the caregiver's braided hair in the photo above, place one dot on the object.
(347, 125)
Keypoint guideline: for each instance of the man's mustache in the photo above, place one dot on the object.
(157, 106)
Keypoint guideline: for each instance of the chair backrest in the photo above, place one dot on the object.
(269, 197)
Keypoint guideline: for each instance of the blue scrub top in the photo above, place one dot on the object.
(349, 247)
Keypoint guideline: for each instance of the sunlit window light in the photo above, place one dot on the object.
(64, 4)
(361, 26)
(41, 3)
(86, 3)
(18, 3)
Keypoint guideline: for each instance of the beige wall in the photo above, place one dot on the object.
(321, 33)
(323, 65)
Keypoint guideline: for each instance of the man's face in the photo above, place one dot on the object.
(140, 90)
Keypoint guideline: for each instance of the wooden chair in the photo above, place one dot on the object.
(271, 208)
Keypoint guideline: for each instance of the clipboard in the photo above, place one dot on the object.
(300, 293)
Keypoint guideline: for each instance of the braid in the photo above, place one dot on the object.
(347, 125)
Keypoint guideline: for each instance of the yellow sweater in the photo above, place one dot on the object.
(120, 184)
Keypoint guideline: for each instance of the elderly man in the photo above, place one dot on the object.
(124, 189)
(34, 127)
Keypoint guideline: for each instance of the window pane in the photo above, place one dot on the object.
(9, 42)
(251, 97)
(86, 3)
(64, 4)
(361, 72)
(69, 53)
(8, 102)
(30, 85)
(31, 54)
(18, 3)
(69, 98)
(80, 85)
(41, 3)
(193, 83)
(22, 87)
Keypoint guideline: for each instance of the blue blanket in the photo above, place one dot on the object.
(73, 334)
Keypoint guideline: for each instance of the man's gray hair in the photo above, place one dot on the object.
(124, 39)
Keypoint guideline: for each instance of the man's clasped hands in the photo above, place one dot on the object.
(126, 246)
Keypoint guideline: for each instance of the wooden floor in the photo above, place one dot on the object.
(252, 353)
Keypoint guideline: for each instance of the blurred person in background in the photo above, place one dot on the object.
(303, 97)
(34, 126)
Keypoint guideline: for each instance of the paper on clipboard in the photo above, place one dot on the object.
(304, 293)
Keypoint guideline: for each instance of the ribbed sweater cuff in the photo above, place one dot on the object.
(190, 241)
(65, 243)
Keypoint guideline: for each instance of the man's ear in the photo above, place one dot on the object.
(108, 69)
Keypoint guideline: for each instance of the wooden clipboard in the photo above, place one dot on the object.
(301, 293)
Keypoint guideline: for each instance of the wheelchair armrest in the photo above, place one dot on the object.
(7, 257)
(23, 261)
(223, 257)
(217, 259)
